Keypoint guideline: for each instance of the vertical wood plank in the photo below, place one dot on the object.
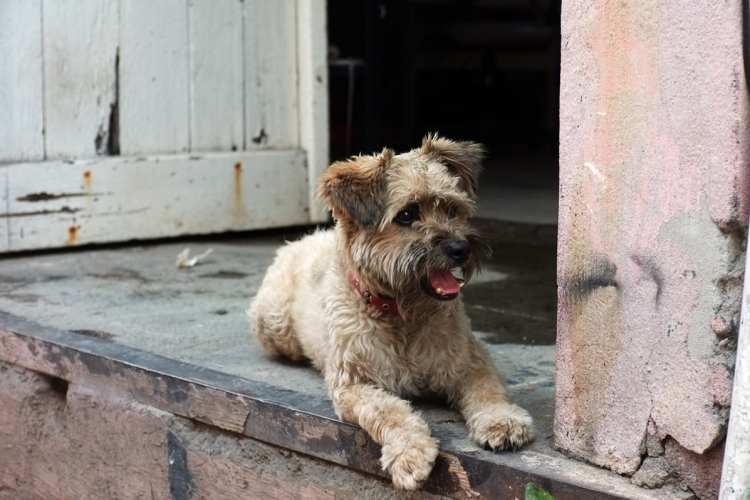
(271, 74)
(313, 95)
(153, 83)
(21, 104)
(80, 50)
(216, 82)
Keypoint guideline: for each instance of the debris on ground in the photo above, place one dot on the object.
(185, 261)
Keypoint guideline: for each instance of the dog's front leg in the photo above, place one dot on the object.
(409, 451)
(493, 421)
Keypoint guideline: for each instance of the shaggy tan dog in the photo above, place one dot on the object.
(372, 303)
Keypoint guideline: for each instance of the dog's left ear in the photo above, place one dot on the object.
(464, 159)
(357, 188)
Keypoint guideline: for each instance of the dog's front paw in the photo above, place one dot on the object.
(501, 427)
(409, 462)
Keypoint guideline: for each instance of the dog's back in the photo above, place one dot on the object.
(285, 301)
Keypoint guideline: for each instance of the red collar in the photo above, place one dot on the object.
(381, 304)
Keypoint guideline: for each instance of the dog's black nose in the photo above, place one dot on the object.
(459, 250)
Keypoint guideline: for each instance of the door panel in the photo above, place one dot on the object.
(80, 57)
(153, 77)
(21, 98)
(159, 118)
(216, 75)
(58, 203)
(271, 74)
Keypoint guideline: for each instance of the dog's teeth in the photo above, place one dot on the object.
(461, 284)
(439, 291)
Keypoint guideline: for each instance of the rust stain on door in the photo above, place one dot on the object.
(72, 235)
(239, 207)
(87, 181)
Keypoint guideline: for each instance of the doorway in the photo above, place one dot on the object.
(485, 71)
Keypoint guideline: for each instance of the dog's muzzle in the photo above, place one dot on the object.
(459, 251)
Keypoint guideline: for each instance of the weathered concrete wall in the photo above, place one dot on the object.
(82, 442)
(653, 205)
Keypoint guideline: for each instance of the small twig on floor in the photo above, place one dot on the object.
(184, 260)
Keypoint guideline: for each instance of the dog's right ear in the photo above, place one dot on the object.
(357, 188)
(464, 159)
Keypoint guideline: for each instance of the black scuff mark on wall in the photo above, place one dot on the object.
(63, 210)
(181, 486)
(261, 138)
(99, 140)
(45, 196)
(653, 272)
(113, 139)
(107, 140)
(598, 272)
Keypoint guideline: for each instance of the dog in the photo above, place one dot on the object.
(373, 303)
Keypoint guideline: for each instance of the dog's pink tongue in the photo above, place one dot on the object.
(444, 281)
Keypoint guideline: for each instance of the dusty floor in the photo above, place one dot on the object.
(517, 209)
(520, 306)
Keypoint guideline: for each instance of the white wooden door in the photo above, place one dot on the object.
(132, 119)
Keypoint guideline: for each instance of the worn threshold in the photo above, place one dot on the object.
(178, 340)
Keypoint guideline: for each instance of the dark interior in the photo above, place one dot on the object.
(486, 70)
(481, 70)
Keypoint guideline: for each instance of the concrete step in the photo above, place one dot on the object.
(162, 359)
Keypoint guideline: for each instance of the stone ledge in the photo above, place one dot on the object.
(295, 421)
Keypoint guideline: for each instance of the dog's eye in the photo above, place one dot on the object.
(406, 217)
(453, 212)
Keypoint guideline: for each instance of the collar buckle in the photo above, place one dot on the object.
(370, 300)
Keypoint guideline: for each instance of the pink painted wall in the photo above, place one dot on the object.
(96, 442)
(653, 216)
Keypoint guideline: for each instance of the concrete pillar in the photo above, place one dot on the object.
(653, 219)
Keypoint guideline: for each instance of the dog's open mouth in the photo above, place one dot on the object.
(443, 285)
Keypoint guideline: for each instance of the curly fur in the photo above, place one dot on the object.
(308, 308)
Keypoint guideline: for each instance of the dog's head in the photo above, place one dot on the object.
(404, 220)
